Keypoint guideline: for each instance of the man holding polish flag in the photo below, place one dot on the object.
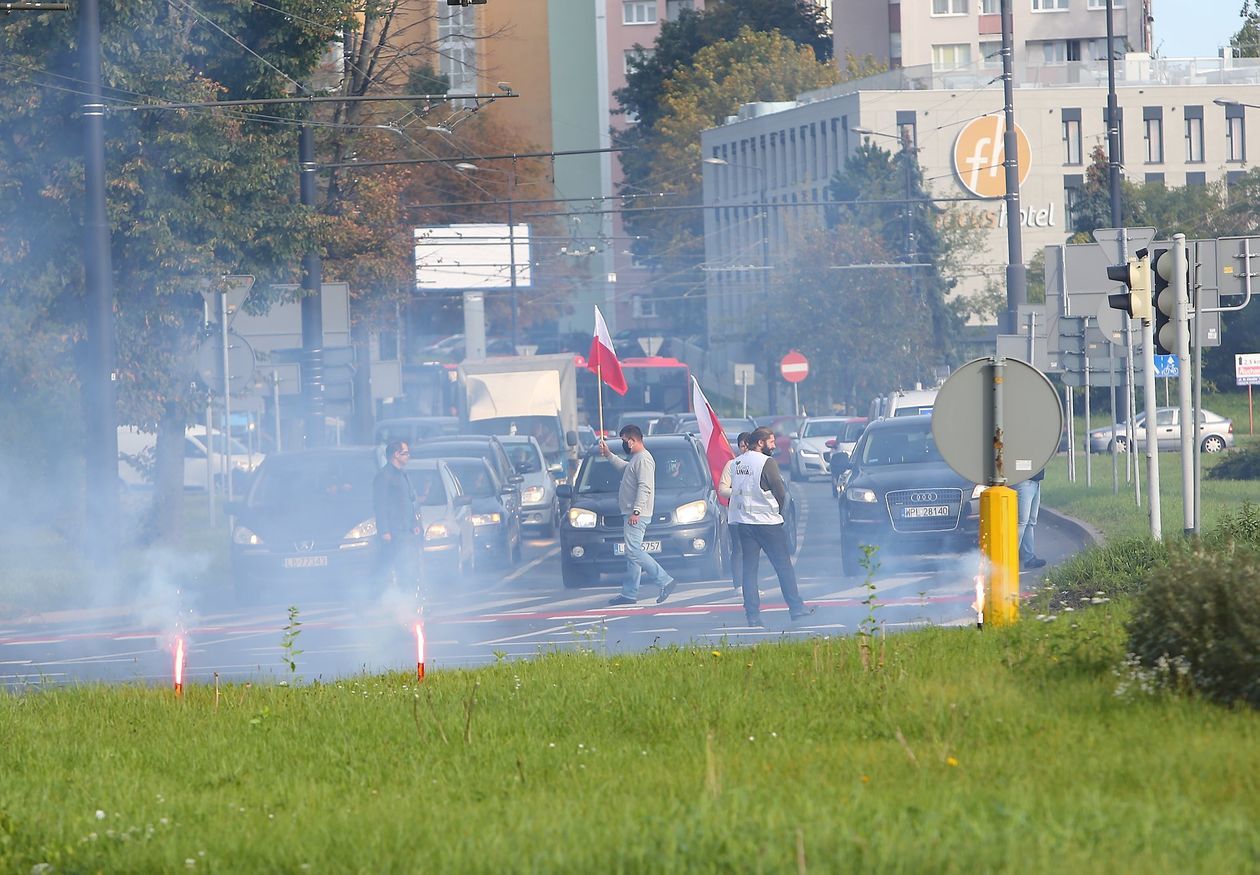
(602, 360)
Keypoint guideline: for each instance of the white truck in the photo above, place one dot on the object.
(903, 402)
(533, 395)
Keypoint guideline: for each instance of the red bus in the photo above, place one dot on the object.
(654, 383)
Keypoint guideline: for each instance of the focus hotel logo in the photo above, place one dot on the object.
(978, 155)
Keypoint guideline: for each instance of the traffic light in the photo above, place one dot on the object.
(1164, 302)
(464, 2)
(1136, 275)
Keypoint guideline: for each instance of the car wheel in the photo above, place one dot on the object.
(1213, 443)
(575, 576)
(1120, 444)
(850, 556)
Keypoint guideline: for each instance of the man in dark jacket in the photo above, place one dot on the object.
(397, 523)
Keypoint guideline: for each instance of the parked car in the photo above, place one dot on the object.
(540, 509)
(810, 445)
(136, 456)
(845, 440)
(903, 402)
(897, 493)
(308, 519)
(687, 532)
(1216, 432)
(496, 526)
(446, 517)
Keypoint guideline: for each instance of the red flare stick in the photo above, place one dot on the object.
(419, 652)
(179, 666)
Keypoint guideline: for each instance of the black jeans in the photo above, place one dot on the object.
(397, 561)
(737, 555)
(772, 539)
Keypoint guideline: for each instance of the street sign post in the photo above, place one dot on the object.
(1247, 373)
(998, 421)
(794, 367)
(745, 376)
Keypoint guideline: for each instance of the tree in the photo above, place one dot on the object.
(1246, 41)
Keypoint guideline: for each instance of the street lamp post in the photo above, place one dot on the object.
(764, 229)
(511, 221)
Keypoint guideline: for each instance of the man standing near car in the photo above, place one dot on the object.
(397, 524)
(1028, 498)
(757, 496)
(637, 500)
(732, 528)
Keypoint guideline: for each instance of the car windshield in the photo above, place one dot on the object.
(822, 427)
(474, 477)
(427, 483)
(850, 432)
(294, 484)
(524, 457)
(676, 468)
(899, 446)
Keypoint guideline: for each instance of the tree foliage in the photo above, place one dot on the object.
(1246, 40)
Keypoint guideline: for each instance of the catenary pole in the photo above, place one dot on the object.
(1016, 276)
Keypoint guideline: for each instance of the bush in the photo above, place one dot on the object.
(1239, 465)
(1113, 568)
(1236, 528)
(1201, 615)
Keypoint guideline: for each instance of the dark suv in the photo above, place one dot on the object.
(687, 531)
(897, 493)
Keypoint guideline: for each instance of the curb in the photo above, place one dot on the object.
(1081, 528)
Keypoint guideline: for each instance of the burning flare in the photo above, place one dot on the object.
(179, 666)
(419, 651)
(979, 602)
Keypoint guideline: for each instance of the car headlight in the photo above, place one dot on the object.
(691, 512)
(581, 518)
(808, 452)
(980, 487)
(533, 494)
(243, 536)
(365, 529)
(487, 519)
(435, 531)
(860, 494)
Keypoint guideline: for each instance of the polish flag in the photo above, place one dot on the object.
(717, 449)
(602, 360)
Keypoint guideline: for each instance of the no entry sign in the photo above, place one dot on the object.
(794, 367)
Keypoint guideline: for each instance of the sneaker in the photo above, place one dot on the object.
(622, 600)
(801, 615)
(1035, 562)
(667, 590)
(756, 622)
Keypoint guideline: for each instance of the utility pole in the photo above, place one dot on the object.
(101, 453)
(312, 305)
(1016, 275)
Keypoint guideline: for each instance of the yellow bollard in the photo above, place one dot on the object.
(999, 542)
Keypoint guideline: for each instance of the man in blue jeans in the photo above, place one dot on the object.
(1028, 497)
(637, 500)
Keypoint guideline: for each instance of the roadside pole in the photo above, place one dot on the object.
(1111, 381)
(1189, 426)
(999, 522)
(227, 400)
(1152, 445)
(1089, 463)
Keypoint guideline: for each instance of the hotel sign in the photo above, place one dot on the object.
(978, 156)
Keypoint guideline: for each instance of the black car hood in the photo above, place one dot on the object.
(312, 521)
(915, 476)
(605, 503)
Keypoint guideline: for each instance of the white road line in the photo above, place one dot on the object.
(651, 631)
(532, 564)
(566, 627)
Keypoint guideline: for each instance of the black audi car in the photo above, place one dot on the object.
(897, 493)
(687, 532)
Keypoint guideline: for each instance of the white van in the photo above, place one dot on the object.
(903, 402)
(136, 450)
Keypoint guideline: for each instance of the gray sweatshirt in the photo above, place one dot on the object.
(638, 483)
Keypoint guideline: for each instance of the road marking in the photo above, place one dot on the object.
(567, 627)
(532, 564)
(682, 613)
(651, 631)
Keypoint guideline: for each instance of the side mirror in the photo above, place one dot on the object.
(795, 436)
(523, 468)
(564, 490)
(516, 479)
(571, 438)
(831, 444)
(463, 501)
(840, 462)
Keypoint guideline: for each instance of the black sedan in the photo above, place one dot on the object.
(897, 493)
(687, 532)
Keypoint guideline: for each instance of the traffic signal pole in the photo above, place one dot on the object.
(1189, 424)
(1152, 444)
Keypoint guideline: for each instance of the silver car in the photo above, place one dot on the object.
(810, 445)
(1216, 433)
(540, 510)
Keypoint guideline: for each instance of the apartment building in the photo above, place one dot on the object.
(1173, 131)
(1050, 35)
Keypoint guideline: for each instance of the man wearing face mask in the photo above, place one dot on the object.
(637, 500)
(757, 496)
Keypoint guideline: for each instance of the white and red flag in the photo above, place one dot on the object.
(602, 360)
(717, 449)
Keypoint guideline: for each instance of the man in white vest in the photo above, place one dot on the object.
(758, 494)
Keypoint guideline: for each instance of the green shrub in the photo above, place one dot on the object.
(1242, 528)
(1239, 465)
(1198, 620)
(1114, 568)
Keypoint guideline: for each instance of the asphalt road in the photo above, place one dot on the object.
(518, 614)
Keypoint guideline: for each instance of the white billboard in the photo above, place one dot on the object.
(472, 257)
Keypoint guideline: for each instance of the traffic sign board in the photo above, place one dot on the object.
(1166, 366)
(1247, 369)
(794, 367)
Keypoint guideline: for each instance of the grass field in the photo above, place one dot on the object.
(955, 751)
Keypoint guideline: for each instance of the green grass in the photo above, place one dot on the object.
(1004, 750)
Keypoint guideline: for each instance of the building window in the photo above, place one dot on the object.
(949, 7)
(1196, 177)
(457, 52)
(675, 8)
(894, 48)
(1155, 177)
(990, 7)
(1072, 137)
(1102, 4)
(907, 128)
(1153, 134)
(991, 53)
(1235, 134)
(1049, 5)
(1194, 134)
(638, 12)
(1054, 53)
(951, 56)
(1073, 189)
(644, 307)
(633, 58)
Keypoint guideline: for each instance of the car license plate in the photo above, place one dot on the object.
(305, 561)
(619, 548)
(913, 513)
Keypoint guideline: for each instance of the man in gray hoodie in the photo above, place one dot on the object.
(637, 500)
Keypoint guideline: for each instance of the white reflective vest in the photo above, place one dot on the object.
(750, 504)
